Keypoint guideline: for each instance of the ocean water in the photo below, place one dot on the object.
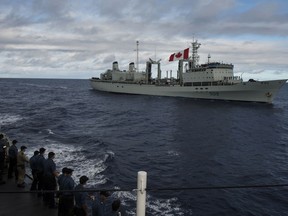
(180, 143)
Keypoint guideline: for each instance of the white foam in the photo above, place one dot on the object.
(165, 207)
(73, 157)
(108, 156)
(173, 153)
(50, 131)
(45, 86)
(7, 119)
(155, 206)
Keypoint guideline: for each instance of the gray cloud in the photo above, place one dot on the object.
(39, 35)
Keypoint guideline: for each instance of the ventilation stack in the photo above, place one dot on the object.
(131, 67)
(115, 66)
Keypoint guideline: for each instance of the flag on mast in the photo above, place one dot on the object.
(181, 55)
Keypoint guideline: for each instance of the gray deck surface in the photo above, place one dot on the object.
(21, 204)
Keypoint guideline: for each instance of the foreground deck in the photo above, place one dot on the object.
(21, 203)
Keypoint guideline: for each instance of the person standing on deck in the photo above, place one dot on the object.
(13, 152)
(62, 176)
(117, 209)
(102, 206)
(40, 160)
(21, 160)
(81, 207)
(66, 199)
(2, 157)
(33, 166)
(49, 178)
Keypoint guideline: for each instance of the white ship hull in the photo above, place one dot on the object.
(262, 91)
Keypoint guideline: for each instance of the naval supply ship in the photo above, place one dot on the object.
(212, 80)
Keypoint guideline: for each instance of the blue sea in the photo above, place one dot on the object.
(181, 143)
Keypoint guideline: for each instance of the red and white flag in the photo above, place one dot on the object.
(179, 55)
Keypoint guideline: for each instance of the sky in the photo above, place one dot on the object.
(79, 39)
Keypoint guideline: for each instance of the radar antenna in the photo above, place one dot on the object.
(209, 56)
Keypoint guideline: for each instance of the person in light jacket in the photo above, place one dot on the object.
(22, 159)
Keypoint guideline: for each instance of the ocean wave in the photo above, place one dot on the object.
(74, 157)
(186, 142)
(42, 86)
(7, 119)
(154, 205)
(50, 131)
(173, 153)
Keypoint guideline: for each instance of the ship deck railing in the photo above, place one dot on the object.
(227, 81)
(28, 204)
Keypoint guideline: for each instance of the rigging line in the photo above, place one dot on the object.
(70, 191)
(220, 187)
(157, 189)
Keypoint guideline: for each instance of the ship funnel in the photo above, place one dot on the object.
(131, 67)
(115, 66)
(148, 72)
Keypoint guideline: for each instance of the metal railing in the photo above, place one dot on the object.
(142, 190)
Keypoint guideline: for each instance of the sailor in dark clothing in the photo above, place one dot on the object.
(66, 198)
(13, 151)
(39, 162)
(81, 207)
(49, 180)
(33, 166)
(2, 157)
(62, 176)
(60, 179)
(117, 209)
(102, 205)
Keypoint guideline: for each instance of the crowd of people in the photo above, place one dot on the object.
(73, 199)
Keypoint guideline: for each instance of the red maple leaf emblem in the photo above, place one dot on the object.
(178, 55)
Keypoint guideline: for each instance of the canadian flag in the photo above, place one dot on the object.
(180, 55)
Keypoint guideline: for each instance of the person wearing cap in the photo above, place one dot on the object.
(117, 209)
(62, 176)
(81, 206)
(13, 152)
(102, 205)
(22, 159)
(66, 198)
(33, 166)
(2, 157)
(49, 180)
(39, 164)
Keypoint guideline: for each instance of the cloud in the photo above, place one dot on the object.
(39, 37)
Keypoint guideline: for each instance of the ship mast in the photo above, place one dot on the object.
(209, 56)
(137, 60)
(195, 56)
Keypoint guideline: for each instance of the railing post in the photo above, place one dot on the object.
(141, 193)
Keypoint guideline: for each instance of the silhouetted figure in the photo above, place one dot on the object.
(49, 180)
(81, 207)
(66, 198)
(13, 152)
(33, 166)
